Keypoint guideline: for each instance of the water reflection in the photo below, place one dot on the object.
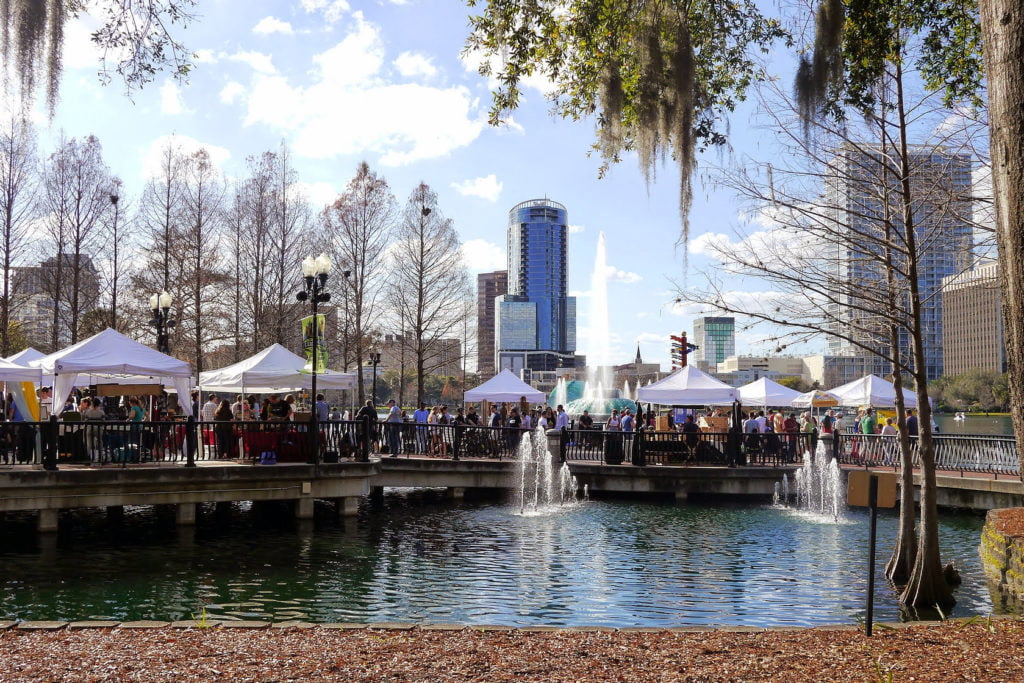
(421, 559)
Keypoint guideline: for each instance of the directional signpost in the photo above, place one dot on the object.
(871, 490)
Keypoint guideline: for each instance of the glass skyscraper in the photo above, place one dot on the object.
(715, 339)
(536, 320)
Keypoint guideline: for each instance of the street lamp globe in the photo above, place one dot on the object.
(166, 300)
(309, 266)
(154, 302)
(323, 264)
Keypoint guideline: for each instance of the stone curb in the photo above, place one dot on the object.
(483, 628)
(93, 624)
(144, 624)
(41, 625)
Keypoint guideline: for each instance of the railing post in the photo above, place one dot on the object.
(836, 446)
(313, 442)
(191, 441)
(456, 440)
(563, 444)
(50, 444)
(638, 459)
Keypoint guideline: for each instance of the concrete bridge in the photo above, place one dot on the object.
(28, 488)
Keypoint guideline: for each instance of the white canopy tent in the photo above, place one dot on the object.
(766, 393)
(26, 356)
(24, 394)
(816, 398)
(274, 369)
(504, 387)
(874, 391)
(111, 357)
(688, 386)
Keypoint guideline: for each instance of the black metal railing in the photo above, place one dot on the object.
(961, 453)
(120, 443)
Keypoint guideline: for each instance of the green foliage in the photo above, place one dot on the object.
(661, 77)
(795, 383)
(976, 390)
(850, 57)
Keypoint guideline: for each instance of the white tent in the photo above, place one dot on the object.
(273, 369)
(504, 387)
(764, 392)
(111, 357)
(26, 356)
(688, 386)
(874, 391)
(816, 398)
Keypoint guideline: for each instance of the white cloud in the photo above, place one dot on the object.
(623, 276)
(152, 155)
(481, 256)
(488, 187)
(575, 229)
(651, 338)
(412, 64)
(472, 60)
(79, 51)
(204, 56)
(257, 61)
(231, 92)
(319, 194)
(332, 11)
(268, 25)
(323, 121)
(171, 102)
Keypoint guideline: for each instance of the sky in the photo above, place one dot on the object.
(384, 82)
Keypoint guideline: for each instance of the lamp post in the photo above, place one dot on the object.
(314, 275)
(374, 361)
(160, 304)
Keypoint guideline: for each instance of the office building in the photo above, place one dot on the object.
(715, 339)
(535, 322)
(973, 337)
(489, 286)
(36, 292)
(941, 183)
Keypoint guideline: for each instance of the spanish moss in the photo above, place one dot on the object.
(55, 17)
(824, 68)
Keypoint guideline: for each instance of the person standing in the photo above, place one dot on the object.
(420, 417)
(869, 423)
(562, 419)
(223, 429)
(394, 420)
(323, 410)
(368, 415)
(912, 423)
(210, 408)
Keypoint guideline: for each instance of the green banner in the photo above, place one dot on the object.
(307, 341)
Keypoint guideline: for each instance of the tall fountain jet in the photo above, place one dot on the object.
(598, 354)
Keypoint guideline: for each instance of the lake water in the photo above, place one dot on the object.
(999, 425)
(421, 559)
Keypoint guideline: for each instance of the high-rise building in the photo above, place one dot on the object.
(535, 325)
(36, 292)
(489, 286)
(973, 337)
(715, 339)
(941, 183)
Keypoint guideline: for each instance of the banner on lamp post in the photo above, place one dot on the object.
(307, 342)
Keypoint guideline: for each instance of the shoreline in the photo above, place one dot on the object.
(973, 649)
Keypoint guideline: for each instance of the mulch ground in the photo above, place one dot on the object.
(952, 651)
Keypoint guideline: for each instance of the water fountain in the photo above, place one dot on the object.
(599, 398)
(544, 485)
(819, 486)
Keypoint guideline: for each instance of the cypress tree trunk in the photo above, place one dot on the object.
(1002, 25)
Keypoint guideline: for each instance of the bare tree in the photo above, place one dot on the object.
(856, 211)
(358, 228)
(77, 188)
(204, 276)
(160, 207)
(19, 185)
(429, 282)
(289, 240)
(117, 238)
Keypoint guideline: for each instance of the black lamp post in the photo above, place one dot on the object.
(314, 274)
(160, 304)
(374, 361)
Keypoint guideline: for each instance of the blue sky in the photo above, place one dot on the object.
(384, 81)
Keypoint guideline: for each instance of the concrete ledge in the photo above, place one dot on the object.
(589, 629)
(691, 629)
(392, 626)
(343, 626)
(245, 624)
(539, 629)
(641, 629)
(41, 625)
(486, 628)
(5, 625)
(144, 624)
(193, 623)
(740, 629)
(292, 624)
(93, 624)
(443, 627)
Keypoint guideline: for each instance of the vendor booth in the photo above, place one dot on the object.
(275, 369)
(688, 386)
(873, 391)
(767, 394)
(504, 387)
